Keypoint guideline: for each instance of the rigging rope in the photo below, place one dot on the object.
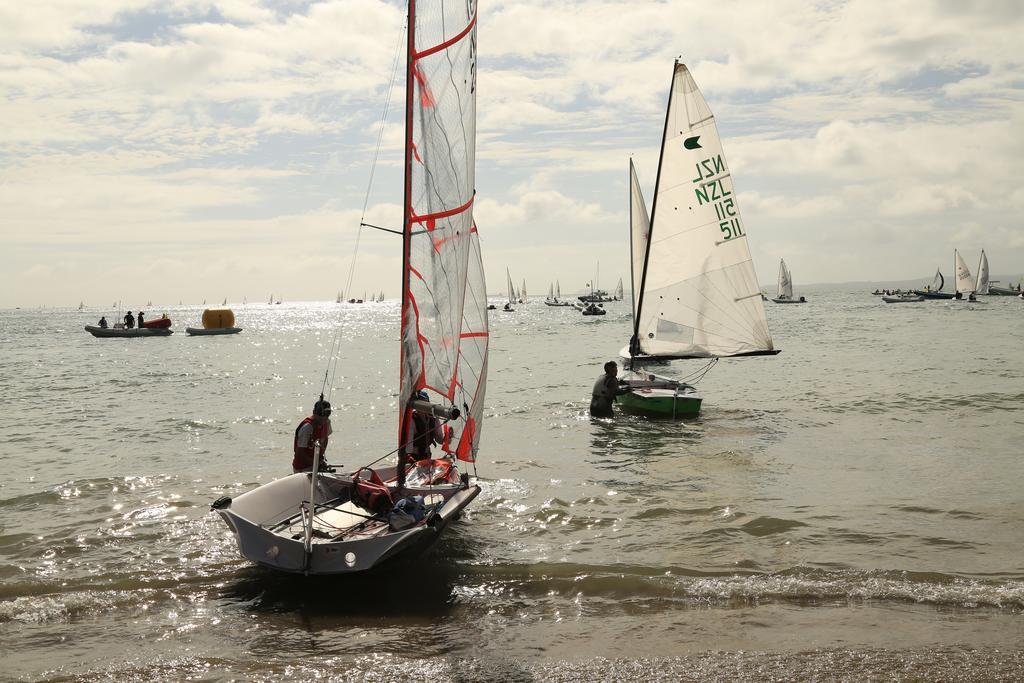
(699, 374)
(376, 153)
(332, 359)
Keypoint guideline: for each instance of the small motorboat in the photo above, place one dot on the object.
(593, 309)
(903, 299)
(97, 331)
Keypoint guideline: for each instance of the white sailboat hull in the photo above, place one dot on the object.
(268, 525)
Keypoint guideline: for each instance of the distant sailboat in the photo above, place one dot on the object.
(596, 294)
(339, 299)
(982, 285)
(522, 293)
(618, 291)
(270, 302)
(934, 290)
(785, 292)
(511, 292)
(554, 296)
(695, 292)
(225, 302)
(964, 282)
(992, 288)
(81, 305)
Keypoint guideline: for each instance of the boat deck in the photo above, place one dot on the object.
(333, 521)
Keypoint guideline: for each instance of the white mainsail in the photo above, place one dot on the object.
(699, 296)
(522, 292)
(982, 285)
(785, 281)
(964, 282)
(558, 290)
(639, 233)
(938, 282)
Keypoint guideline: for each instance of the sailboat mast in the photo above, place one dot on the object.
(632, 275)
(634, 343)
(410, 52)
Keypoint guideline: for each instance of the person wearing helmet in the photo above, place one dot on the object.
(426, 430)
(311, 432)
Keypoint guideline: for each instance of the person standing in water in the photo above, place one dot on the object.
(606, 388)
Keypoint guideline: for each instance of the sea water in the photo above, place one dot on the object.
(850, 508)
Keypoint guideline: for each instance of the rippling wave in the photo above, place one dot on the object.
(863, 483)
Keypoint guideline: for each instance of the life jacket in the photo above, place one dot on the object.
(303, 457)
(373, 494)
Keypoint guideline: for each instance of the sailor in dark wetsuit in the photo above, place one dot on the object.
(606, 388)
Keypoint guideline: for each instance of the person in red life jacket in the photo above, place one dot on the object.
(426, 431)
(422, 431)
(313, 430)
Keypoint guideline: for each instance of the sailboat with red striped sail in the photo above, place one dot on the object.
(321, 522)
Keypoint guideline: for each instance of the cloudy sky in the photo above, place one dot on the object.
(199, 149)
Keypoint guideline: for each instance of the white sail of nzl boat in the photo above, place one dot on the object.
(695, 289)
(964, 282)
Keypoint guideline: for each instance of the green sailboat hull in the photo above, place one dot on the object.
(662, 404)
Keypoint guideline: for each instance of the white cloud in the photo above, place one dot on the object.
(861, 145)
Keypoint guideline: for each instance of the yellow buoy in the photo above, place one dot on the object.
(216, 318)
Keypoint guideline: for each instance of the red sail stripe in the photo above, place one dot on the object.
(413, 218)
(433, 388)
(466, 335)
(448, 43)
(419, 335)
(426, 97)
(437, 244)
(464, 451)
(451, 387)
